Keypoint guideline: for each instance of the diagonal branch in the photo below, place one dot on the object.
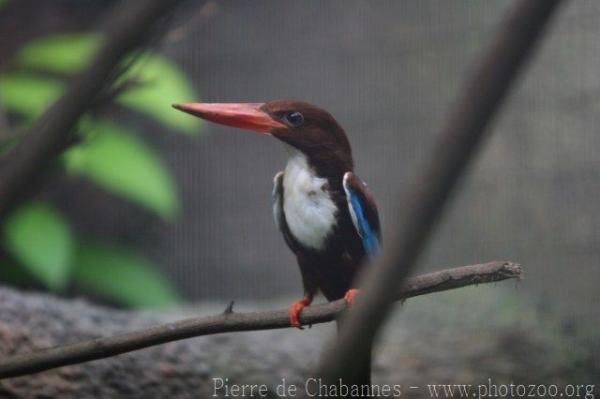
(231, 322)
(127, 28)
(459, 141)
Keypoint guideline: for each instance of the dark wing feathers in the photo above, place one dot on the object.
(363, 212)
(278, 215)
(277, 199)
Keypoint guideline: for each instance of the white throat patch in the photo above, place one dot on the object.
(309, 210)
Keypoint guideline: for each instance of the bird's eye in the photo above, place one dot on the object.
(294, 118)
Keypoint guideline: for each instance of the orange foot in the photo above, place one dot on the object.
(295, 309)
(351, 295)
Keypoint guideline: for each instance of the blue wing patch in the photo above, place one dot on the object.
(369, 238)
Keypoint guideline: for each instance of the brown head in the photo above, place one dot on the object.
(307, 128)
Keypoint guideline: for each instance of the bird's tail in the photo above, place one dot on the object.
(363, 373)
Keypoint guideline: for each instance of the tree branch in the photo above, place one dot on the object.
(230, 321)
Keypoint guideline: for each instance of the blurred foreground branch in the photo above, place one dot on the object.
(127, 28)
(230, 322)
(458, 142)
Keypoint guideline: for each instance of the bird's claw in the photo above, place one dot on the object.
(350, 296)
(294, 312)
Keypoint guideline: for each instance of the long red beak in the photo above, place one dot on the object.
(244, 115)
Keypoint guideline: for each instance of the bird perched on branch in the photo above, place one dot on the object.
(326, 214)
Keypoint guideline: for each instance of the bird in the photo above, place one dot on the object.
(325, 212)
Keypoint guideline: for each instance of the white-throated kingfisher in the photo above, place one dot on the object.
(326, 214)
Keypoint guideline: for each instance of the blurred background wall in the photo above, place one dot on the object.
(388, 71)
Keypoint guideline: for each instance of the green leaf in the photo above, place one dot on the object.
(66, 53)
(122, 276)
(38, 237)
(27, 94)
(3, 3)
(117, 160)
(162, 84)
